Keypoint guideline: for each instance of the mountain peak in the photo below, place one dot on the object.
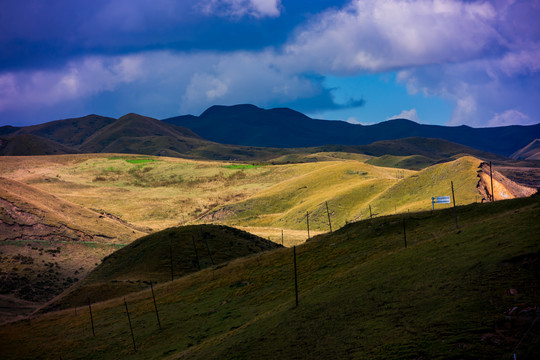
(131, 116)
(222, 109)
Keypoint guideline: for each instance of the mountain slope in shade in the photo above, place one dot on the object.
(529, 152)
(147, 259)
(435, 149)
(281, 127)
(70, 132)
(133, 126)
(28, 144)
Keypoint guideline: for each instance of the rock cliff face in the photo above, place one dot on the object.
(503, 188)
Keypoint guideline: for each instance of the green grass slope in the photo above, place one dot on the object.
(148, 259)
(468, 294)
(414, 192)
(350, 188)
(344, 185)
(412, 162)
(435, 149)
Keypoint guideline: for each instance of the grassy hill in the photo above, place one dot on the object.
(69, 132)
(349, 188)
(28, 144)
(412, 162)
(160, 192)
(529, 152)
(148, 259)
(129, 126)
(468, 294)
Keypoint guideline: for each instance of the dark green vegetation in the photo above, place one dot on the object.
(286, 128)
(467, 294)
(148, 259)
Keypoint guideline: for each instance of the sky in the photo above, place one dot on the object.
(444, 62)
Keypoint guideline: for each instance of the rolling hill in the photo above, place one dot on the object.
(350, 189)
(133, 126)
(149, 259)
(28, 144)
(286, 128)
(468, 294)
(529, 152)
(69, 132)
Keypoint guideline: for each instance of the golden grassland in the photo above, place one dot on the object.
(159, 192)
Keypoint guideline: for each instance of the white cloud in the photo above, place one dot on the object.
(468, 53)
(383, 35)
(479, 88)
(407, 114)
(78, 79)
(243, 77)
(352, 120)
(240, 8)
(510, 117)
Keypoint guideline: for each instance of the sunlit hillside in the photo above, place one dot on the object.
(158, 192)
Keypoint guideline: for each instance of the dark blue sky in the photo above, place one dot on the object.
(440, 62)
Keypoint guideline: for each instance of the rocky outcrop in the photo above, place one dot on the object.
(503, 188)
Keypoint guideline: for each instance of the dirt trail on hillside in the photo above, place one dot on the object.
(503, 188)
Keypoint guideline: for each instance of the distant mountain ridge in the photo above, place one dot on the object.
(249, 133)
(529, 152)
(285, 128)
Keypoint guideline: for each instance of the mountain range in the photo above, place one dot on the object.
(248, 133)
(286, 128)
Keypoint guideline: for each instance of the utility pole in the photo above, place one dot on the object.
(491, 176)
(454, 200)
(307, 220)
(328, 213)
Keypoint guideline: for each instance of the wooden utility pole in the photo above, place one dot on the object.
(370, 214)
(171, 262)
(454, 200)
(91, 317)
(209, 252)
(295, 277)
(404, 233)
(281, 237)
(491, 176)
(307, 221)
(155, 305)
(328, 213)
(196, 252)
(130, 327)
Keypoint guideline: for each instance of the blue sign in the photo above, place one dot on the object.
(442, 199)
(439, 200)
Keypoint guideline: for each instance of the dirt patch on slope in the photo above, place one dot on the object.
(47, 245)
(503, 188)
